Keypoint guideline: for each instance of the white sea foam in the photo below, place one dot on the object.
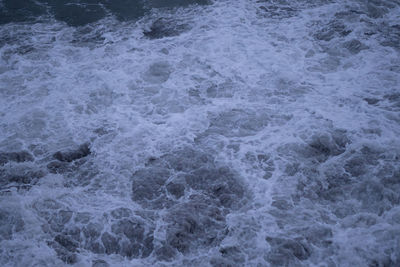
(280, 121)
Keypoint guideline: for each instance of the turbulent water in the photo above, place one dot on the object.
(200, 133)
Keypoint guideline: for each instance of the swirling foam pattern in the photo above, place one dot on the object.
(199, 133)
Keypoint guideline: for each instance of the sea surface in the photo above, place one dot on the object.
(200, 133)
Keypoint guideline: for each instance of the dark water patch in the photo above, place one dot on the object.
(197, 171)
(67, 242)
(238, 122)
(18, 171)
(354, 46)
(60, 167)
(372, 101)
(76, 165)
(25, 179)
(318, 148)
(158, 72)
(10, 223)
(229, 256)
(281, 9)
(223, 90)
(299, 245)
(128, 235)
(165, 252)
(137, 241)
(359, 162)
(73, 12)
(391, 36)
(394, 100)
(100, 263)
(18, 157)
(71, 155)
(221, 184)
(195, 224)
(376, 9)
(368, 15)
(164, 27)
(148, 187)
(348, 14)
(262, 162)
(77, 13)
(125, 9)
(287, 252)
(318, 235)
(110, 243)
(196, 193)
(82, 12)
(121, 213)
(282, 204)
(62, 253)
(20, 11)
(332, 29)
(20, 177)
(58, 220)
(354, 182)
(188, 159)
(176, 3)
(176, 189)
(328, 145)
(272, 10)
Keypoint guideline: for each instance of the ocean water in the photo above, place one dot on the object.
(199, 133)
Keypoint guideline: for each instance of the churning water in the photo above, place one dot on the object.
(200, 133)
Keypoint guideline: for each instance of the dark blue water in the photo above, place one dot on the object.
(82, 12)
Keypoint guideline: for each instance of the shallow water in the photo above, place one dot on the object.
(225, 133)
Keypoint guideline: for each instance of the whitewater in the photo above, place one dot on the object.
(221, 133)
